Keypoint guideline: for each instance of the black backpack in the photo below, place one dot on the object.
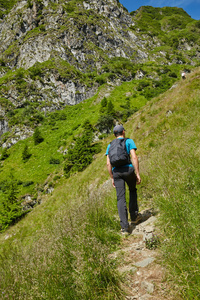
(118, 154)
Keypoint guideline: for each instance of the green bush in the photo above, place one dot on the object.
(173, 75)
(2, 63)
(4, 154)
(29, 4)
(101, 79)
(54, 161)
(37, 137)
(26, 154)
(142, 84)
(110, 109)
(80, 155)
(107, 107)
(35, 72)
(105, 123)
(69, 7)
(6, 6)
(10, 208)
(103, 106)
(27, 183)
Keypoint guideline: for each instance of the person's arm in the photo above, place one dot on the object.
(135, 163)
(109, 167)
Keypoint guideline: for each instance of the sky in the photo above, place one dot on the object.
(192, 7)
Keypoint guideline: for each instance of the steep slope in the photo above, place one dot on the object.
(55, 55)
(80, 215)
(170, 34)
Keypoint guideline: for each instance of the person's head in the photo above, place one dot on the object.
(119, 130)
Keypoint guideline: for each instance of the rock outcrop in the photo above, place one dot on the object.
(52, 52)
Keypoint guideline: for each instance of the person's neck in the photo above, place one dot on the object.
(120, 137)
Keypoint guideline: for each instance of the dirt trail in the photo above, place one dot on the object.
(143, 275)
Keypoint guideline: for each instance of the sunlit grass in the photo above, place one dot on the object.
(61, 248)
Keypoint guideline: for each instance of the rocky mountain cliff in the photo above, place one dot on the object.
(55, 53)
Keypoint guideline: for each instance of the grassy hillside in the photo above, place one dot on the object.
(175, 30)
(59, 129)
(60, 250)
(169, 141)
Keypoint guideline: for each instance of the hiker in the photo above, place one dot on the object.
(183, 75)
(124, 171)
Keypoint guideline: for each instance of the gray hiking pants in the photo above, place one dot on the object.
(121, 176)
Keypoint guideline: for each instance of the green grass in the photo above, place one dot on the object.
(58, 130)
(170, 170)
(61, 248)
(69, 260)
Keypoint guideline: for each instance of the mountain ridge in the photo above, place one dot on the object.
(55, 54)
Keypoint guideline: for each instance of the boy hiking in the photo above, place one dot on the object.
(123, 167)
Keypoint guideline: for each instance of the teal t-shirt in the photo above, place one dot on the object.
(129, 145)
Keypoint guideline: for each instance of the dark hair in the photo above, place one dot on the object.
(118, 133)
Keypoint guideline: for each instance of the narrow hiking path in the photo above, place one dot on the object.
(144, 277)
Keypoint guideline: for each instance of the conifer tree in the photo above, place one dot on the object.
(10, 208)
(25, 153)
(4, 154)
(80, 155)
(37, 136)
(104, 103)
(110, 108)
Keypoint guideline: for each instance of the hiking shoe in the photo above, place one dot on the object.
(125, 231)
(137, 220)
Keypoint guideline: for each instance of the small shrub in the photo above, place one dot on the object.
(26, 154)
(173, 75)
(51, 184)
(104, 103)
(105, 123)
(110, 109)
(2, 63)
(19, 77)
(153, 242)
(69, 8)
(62, 116)
(37, 118)
(101, 79)
(54, 161)
(29, 4)
(35, 72)
(80, 154)
(37, 137)
(11, 209)
(27, 183)
(4, 154)
(142, 84)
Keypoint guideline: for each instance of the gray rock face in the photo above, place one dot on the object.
(81, 35)
(16, 134)
(43, 32)
(37, 39)
(3, 127)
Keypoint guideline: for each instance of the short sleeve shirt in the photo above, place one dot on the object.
(129, 145)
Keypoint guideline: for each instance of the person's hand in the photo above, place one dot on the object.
(113, 183)
(138, 179)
